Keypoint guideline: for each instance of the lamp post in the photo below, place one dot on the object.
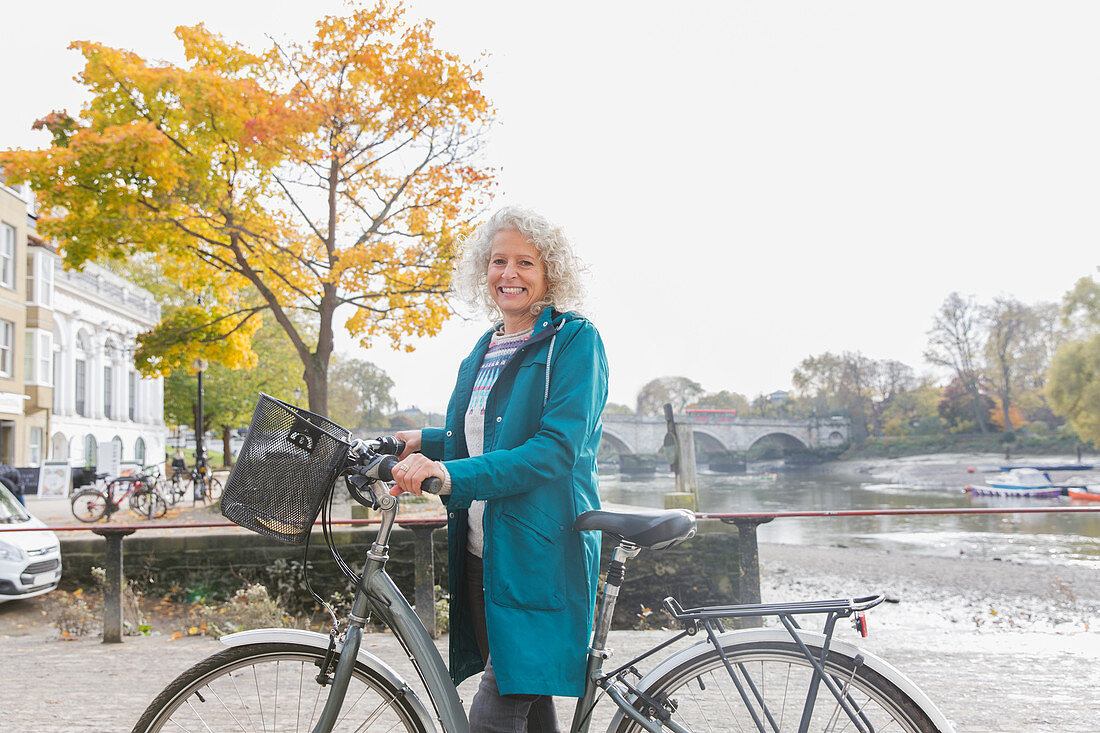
(200, 449)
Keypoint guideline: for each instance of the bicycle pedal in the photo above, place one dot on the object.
(859, 623)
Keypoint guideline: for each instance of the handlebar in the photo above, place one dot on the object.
(375, 459)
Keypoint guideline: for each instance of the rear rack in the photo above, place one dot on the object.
(842, 607)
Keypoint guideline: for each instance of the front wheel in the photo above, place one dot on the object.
(273, 687)
(89, 505)
(700, 694)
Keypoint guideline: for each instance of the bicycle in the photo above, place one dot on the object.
(92, 504)
(751, 679)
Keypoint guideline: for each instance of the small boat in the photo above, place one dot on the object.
(1084, 493)
(1018, 481)
(1081, 489)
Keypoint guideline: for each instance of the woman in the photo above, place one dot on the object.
(518, 461)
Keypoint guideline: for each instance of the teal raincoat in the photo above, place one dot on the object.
(538, 473)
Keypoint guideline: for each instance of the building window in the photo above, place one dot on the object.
(40, 285)
(131, 389)
(57, 386)
(37, 357)
(45, 357)
(107, 389)
(7, 353)
(7, 256)
(91, 448)
(118, 441)
(34, 447)
(78, 386)
(139, 451)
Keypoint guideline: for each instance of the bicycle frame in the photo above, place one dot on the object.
(378, 595)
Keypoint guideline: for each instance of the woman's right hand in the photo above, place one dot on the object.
(411, 439)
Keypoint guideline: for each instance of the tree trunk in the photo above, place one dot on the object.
(227, 449)
(316, 378)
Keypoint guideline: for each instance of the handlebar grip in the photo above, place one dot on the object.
(432, 485)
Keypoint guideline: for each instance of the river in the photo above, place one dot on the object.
(919, 482)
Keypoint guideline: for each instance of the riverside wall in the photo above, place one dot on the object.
(188, 565)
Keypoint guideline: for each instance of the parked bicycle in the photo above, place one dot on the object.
(198, 482)
(288, 679)
(140, 492)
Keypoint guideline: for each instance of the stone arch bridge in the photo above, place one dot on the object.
(645, 435)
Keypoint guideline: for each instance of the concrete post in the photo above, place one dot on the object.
(686, 481)
(424, 573)
(113, 585)
(748, 582)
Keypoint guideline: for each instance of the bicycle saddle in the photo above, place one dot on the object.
(653, 530)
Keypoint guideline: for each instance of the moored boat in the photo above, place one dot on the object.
(1018, 482)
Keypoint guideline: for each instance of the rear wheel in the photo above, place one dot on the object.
(89, 505)
(273, 687)
(700, 694)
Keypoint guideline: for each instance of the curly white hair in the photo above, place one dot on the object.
(564, 270)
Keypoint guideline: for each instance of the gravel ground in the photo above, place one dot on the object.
(998, 646)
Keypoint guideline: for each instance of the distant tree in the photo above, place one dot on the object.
(958, 407)
(1073, 382)
(724, 400)
(1010, 330)
(677, 391)
(363, 391)
(844, 382)
(913, 411)
(614, 408)
(955, 341)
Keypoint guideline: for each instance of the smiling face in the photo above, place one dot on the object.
(516, 278)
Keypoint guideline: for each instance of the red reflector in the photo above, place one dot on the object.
(861, 624)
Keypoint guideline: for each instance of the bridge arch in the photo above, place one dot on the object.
(611, 442)
(707, 442)
(779, 439)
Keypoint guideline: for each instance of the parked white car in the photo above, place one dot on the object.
(30, 562)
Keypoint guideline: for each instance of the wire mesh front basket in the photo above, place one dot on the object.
(287, 465)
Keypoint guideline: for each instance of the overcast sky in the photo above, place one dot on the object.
(751, 182)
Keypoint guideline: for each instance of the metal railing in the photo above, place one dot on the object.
(424, 561)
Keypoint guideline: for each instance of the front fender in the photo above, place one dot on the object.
(320, 641)
(743, 636)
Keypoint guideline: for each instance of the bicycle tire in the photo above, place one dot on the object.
(269, 687)
(148, 503)
(174, 491)
(215, 491)
(700, 694)
(89, 505)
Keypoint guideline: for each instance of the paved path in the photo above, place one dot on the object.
(995, 655)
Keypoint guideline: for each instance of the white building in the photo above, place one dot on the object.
(98, 396)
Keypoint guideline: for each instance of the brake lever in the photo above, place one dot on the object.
(356, 484)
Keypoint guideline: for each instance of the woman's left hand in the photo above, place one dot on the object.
(410, 473)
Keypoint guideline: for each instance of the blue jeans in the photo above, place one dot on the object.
(491, 712)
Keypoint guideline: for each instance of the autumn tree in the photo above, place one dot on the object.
(677, 391)
(955, 341)
(1073, 382)
(290, 180)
